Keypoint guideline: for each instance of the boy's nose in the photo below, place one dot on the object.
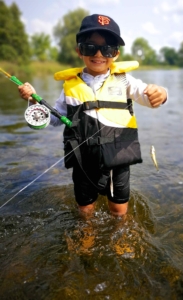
(98, 53)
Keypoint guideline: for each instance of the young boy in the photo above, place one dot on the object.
(97, 99)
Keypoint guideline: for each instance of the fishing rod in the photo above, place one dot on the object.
(33, 110)
(65, 120)
(37, 116)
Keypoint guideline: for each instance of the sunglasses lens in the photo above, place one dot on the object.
(109, 51)
(91, 50)
(87, 49)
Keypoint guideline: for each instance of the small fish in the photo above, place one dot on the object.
(111, 184)
(153, 156)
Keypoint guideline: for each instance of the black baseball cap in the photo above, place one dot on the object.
(100, 22)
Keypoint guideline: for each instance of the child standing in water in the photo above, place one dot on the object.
(103, 140)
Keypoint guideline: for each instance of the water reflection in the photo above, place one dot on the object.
(50, 251)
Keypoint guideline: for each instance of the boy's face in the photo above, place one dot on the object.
(97, 64)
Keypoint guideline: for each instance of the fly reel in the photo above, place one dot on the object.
(37, 116)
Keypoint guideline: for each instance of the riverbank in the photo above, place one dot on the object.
(34, 68)
(49, 68)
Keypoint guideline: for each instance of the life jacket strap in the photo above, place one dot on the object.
(75, 147)
(104, 104)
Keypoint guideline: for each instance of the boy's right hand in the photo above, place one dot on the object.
(25, 91)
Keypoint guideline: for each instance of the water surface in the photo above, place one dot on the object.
(49, 251)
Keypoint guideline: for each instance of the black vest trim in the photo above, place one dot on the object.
(104, 104)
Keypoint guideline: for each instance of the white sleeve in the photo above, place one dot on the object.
(61, 107)
(135, 91)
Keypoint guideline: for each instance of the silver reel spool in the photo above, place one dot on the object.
(37, 116)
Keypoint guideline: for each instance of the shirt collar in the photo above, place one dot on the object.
(95, 82)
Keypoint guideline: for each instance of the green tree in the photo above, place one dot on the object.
(14, 45)
(124, 56)
(53, 53)
(65, 33)
(169, 56)
(143, 53)
(180, 55)
(127, 57)
(40, 46)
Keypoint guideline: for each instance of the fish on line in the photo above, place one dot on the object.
(153, 156)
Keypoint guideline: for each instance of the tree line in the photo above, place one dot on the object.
(18, 47)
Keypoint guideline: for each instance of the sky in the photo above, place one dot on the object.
(159, 22)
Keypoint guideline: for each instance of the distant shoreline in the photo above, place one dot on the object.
(49, 68)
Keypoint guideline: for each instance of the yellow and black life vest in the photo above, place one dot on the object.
(104, 120)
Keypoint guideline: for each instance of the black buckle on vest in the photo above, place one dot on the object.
(86, 105)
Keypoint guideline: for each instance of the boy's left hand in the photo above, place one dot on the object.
(156, 94)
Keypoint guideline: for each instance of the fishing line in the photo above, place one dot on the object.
(52, 167)
(63, 119)
(49, 169)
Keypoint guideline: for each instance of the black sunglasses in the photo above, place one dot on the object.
(91, 49)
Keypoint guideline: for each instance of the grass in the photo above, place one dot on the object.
(34, 68)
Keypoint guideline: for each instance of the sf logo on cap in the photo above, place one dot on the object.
(103, 20)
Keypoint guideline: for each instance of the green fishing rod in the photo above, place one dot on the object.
(36, 114)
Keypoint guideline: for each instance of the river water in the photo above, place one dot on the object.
(49, 251)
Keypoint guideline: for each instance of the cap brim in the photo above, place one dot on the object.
(120, 40)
